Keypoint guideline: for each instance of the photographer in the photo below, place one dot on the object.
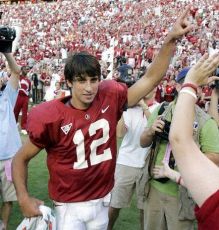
(9, 135)
(132, 159)
(213, 108)
(168, 205)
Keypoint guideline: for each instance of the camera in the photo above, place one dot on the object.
(7, 36)
(165, 133)
(7, 33)
(165, 136)
(128, 81)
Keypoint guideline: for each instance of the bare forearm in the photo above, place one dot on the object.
(199, 173)
(14, 67)
(153, 75)
(121, 129)
(146, 137)
(161, 62)
(29, 205)
(20, 179)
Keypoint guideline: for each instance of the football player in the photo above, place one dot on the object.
(79, 135)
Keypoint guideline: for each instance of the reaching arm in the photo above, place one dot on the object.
(15, 70)
(147, 136)
(121, 129)
(29, 205)
(145, 108)
(200, 175)
(161, 62)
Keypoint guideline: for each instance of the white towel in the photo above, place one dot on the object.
(45, 222)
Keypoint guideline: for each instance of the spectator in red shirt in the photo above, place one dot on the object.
(23, 99)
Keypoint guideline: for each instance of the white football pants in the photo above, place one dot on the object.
(88, 215)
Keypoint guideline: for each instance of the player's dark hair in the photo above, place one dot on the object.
(80, 64)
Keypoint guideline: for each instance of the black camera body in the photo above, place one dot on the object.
(129, 82)
(165, 136)
(165, 133)
(7, 36)
(7, 33)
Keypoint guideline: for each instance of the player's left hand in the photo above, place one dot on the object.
(30, 206)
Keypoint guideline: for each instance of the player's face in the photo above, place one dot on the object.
(84, 90)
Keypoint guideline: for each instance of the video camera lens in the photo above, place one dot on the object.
(7, 36)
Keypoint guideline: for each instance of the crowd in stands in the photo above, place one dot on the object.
(136, 28)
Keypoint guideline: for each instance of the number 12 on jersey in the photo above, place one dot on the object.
(95, 159)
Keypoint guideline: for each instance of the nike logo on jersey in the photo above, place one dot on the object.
(66, 128)
(104, 110)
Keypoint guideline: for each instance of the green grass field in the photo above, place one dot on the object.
(37, 187)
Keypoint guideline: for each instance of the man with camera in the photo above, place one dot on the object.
(168, 205)
(213, 108)
(9, 135)
(132, 160)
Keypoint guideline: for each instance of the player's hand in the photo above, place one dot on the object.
(200, 72)
(161, 171)
(30, 206)
(181, 27)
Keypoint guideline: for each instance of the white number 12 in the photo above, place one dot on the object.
(78, 140)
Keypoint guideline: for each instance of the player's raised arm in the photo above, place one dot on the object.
(161, 62)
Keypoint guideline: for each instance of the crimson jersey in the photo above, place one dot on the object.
(81, 144)
(207, 215)
(25, 86)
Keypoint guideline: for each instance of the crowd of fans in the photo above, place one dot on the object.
(51, 31)
(135, 29)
